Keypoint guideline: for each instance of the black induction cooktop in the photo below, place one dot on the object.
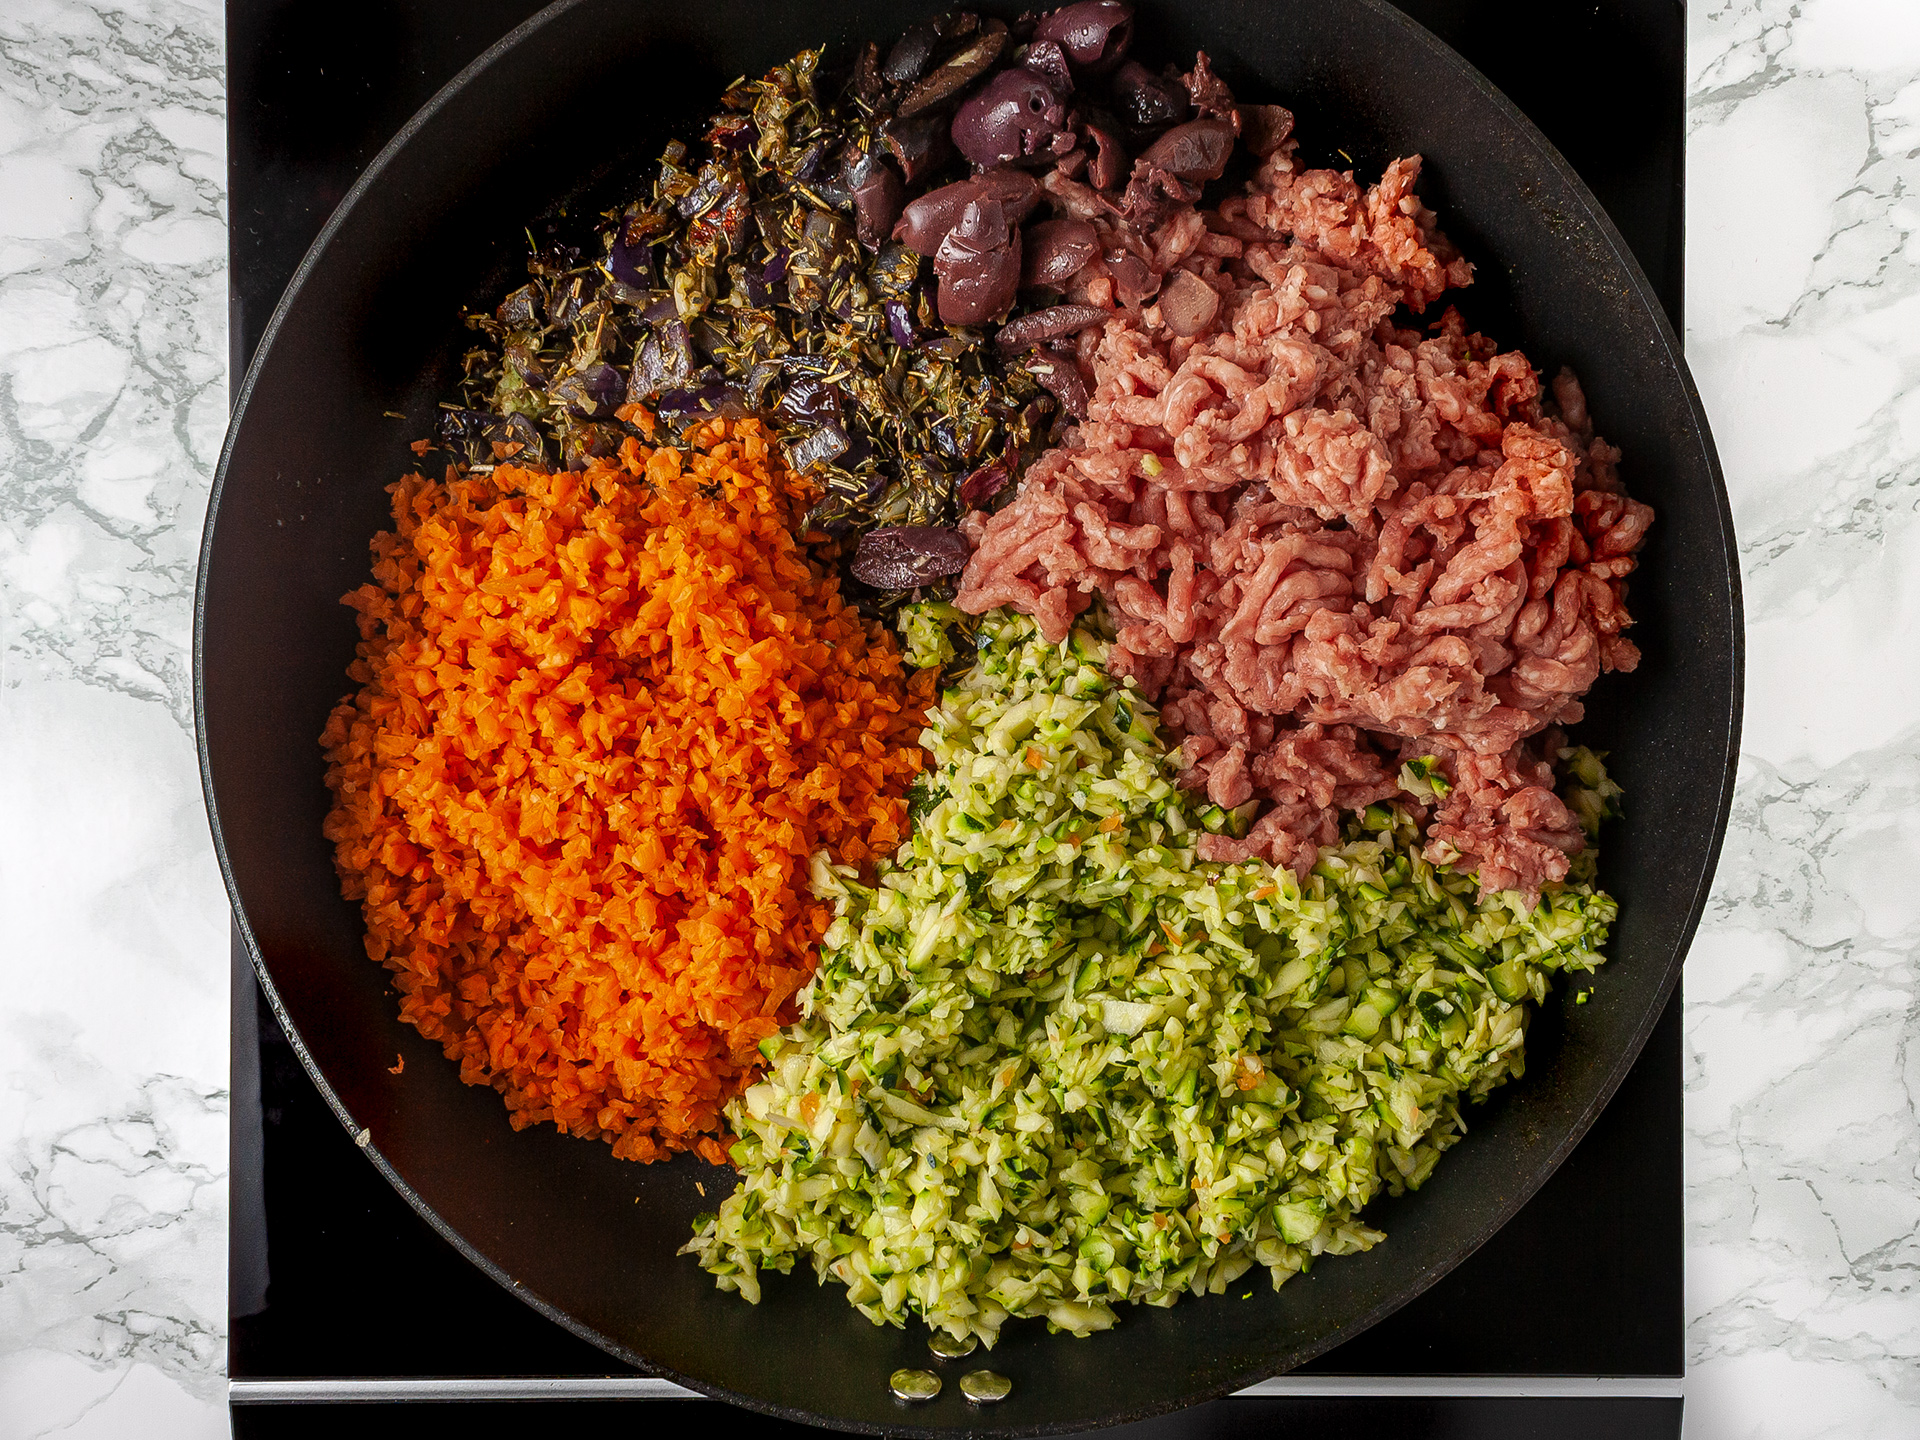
(1568, 1323)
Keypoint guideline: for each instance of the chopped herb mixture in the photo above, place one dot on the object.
(742, 283)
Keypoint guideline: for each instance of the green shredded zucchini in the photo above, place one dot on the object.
(1051, 1064)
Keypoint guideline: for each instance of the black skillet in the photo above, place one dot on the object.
(567, 109)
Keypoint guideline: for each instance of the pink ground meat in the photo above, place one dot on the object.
(1331, 542)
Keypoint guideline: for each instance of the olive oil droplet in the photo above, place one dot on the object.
(983, 1387)
(916, 1384)
(949, 1347)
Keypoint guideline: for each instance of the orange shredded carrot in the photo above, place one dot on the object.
(604, 720)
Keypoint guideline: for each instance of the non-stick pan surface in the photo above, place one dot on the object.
(564, 110)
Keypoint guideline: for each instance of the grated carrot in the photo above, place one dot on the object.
(604, 719)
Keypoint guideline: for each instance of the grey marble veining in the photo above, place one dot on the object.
(112, 926)
(1803, 990)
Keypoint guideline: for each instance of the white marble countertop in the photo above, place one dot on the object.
(1802, 992)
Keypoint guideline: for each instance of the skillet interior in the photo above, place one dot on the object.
(562, 109)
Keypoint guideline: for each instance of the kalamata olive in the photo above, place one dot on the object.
(1094, 33)
(1045, 57)
(1054, 251)
(925, 222)
(1133, 282)
(902, 557)
(1014, 114)
(983, 224)
(867, 81)
(1148, 101)
(1187, 303)
(1061, 378)
(1056, 322)
(1016, 190)
(1265, 128)
(965, 67)
(878, 197)
(979, 265)
(1197, 150)
(1109, 166)
(959, 24)
(912, 53)
(920, 145)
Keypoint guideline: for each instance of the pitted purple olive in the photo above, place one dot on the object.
(1187, 303)
(1056, 322)
(1109, 165)
(919, 146)
(978, 265)
(1094, 33)
(925, 222)
(1133, 281)
(912, 53)
(1054, 251)
(1197, 150)
(1060, 376)
(1015, 113)
(1265, 128)
(983, 225)
(901, 557)
(1045, 57)
(1148, 101)
(1016, 190)
(878, 197)
(954, 76)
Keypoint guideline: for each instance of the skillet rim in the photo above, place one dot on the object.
(1595, 220)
